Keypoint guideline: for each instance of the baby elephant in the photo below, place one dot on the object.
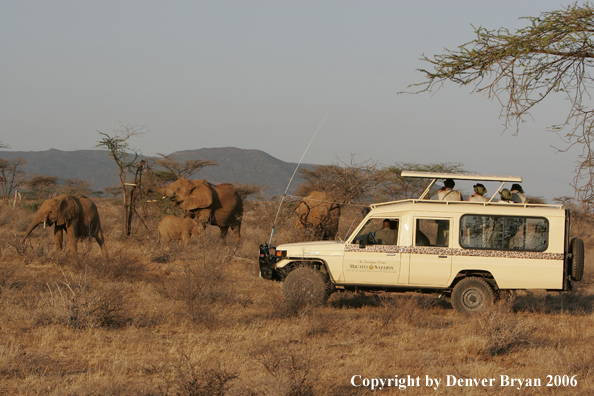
(173, 227)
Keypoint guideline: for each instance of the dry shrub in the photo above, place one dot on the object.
(194, 380)
(81, 304)
(30, 251)
(318, 322)
(120, 265)
(200, 286)
(576, 303)
(409, 310)
(288, 370)
(10, 276)
(498, 331)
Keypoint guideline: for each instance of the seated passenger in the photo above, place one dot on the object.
(479, 192)
(517, 194)
(447, 193)
(386, 236)
(506, 196)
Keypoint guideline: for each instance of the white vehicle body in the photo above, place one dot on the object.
(439, 243)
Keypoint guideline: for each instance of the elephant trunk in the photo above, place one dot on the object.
(36, 221)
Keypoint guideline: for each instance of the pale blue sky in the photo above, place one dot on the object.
(262, 75)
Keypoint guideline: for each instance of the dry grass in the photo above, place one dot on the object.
(164, 320)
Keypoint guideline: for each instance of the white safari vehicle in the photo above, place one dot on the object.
(470, 252)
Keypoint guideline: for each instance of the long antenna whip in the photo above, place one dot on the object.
(294, 172)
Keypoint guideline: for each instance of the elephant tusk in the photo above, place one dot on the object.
(43, 223)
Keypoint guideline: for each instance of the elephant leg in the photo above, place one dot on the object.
(58, 236)
(71, 233)
(186, 238)
(101, 242)
(236, 231)
(224, 230)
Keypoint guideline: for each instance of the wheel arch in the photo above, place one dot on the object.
(468, 273)
(315, 263)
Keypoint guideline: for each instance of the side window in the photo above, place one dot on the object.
(504, 233)
(432, 232)
(378, 231)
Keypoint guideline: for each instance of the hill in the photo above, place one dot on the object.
(95, 166)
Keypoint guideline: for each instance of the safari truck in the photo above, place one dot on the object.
(468, 252)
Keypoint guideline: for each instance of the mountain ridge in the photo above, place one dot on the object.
(235, 165)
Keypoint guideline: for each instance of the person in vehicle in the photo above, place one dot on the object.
(506, 196)
(447, 192)
(479, 192)
(386, 236)
(517, 194)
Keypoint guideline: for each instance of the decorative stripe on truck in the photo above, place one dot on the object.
(454, 252)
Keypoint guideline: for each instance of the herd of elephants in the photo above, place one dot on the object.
(203, 204)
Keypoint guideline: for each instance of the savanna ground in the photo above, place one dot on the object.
(154, 320)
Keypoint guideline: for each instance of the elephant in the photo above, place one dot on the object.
(173, 227)
(320, 213)
(77, 216)
(217, 205)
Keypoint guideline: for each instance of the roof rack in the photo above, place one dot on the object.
(461, 176)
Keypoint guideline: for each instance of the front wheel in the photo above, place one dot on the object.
(306, 285)
(472, 295)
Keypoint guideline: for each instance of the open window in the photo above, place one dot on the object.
(432, 232)
(378, 231)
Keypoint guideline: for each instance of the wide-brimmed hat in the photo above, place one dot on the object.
(505, 194)
(479, 189)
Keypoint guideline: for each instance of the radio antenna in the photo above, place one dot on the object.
(294, 172)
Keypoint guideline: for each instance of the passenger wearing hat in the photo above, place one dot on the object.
(517, 194)
(506, 196)
(447, 193)
(479, 192)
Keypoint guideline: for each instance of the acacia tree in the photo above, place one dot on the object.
(521, 69)
(131, 166)
(76, 186)
(181, 169)
(397, 187)
(10, 176)
(43, 185)
(346, 182)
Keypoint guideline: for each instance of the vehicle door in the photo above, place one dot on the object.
(373, 256)
(430, 261)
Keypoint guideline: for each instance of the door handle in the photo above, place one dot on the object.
(442, 256)
(391, 254)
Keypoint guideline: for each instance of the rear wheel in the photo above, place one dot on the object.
(306, 285)
(577, 259)
(472, 295)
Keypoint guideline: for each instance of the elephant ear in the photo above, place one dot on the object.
(68, 210)
(200, 197)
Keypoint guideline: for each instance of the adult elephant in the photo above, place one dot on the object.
(217, 205)
(320, 213)
(77, 216)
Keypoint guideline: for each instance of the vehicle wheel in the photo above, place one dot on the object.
(577, 259)
(472, 295)
(307, 286)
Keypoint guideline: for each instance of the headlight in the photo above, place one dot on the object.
(281, 253)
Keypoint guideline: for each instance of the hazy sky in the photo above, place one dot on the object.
(262, 75)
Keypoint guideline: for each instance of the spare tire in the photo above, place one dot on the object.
(576, 248)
